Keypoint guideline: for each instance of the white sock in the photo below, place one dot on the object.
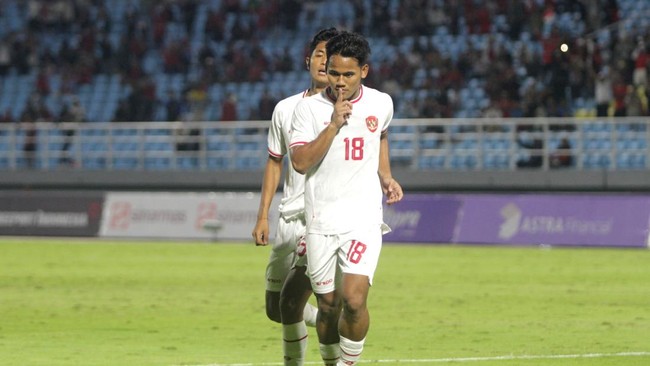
(330, 353)
(309, 314)
(294, 343)
(350, 351)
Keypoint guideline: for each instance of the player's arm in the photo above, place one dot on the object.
(270, 182)
(305, 156)
(392, 189)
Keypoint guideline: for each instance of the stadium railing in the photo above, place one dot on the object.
(419, 144)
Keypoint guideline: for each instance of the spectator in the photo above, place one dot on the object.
(604, 92)
(493, 112)
(175, 57)
(229, 108)
(188, 141)
(161, 14)
(620, 96)
(214, 25)
(637, 101)
(266, 106)
(535, 158)
(206, 56)
(641, 59)
(71, 113)
(29, 144)
(197, 97)
(122, 113)
(562, 157)
(174, 107)
(5, 56)
(6, 117)
(43, 83)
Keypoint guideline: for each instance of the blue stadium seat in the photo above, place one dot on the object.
(431, 162)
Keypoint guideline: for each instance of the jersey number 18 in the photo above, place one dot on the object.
(354, 148)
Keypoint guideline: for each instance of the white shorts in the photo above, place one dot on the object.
(287, 252)
(328, 256)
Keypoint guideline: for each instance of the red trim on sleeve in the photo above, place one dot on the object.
(298, 143)
(274, 154)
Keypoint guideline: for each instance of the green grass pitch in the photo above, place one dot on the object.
(90, 302)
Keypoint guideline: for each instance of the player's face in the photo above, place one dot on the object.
(316, 63)
(345, 75)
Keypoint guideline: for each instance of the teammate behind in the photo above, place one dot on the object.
(287, 287)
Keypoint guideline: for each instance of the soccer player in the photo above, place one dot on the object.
(340, 142)
(287, 287)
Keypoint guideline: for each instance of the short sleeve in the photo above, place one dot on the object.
(302, 130)
(388, 104)
(275, 140)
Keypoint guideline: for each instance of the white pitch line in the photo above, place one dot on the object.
(456, 359)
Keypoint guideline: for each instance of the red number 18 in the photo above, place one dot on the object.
(354, 148)
(355, 252)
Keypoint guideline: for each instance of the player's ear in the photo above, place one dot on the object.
(364, 70)
(307, 62)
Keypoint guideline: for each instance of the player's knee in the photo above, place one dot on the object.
(289, 306)
(329, 306)
(354, 304)
(273, 307)
(273, 314)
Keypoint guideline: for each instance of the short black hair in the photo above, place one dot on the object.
(349, 44)
(322, 35)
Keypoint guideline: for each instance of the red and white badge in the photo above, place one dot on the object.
(372, 123)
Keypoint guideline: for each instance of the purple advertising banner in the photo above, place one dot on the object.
(558, 219)
(422, 218)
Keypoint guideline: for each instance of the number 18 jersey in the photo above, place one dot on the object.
(343, 191)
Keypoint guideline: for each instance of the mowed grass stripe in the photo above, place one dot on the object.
(97, 302)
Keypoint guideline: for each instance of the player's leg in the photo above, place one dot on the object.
(281, 259)
(272, 300)
(294, 296)
(293, 305)
(329, 310)
(297, 288)
(358, 256)
(322, 269)
(355, 318)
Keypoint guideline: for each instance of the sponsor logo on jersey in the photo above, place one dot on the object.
(372, 123)
(326, 282)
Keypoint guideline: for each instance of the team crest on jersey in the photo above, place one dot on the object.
(372, 123)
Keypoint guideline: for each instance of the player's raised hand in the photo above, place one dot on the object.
(342, 110)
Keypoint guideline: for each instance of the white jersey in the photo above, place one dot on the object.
(343, 191)
(292, 203)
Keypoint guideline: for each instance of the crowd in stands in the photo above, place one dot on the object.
(427, 54)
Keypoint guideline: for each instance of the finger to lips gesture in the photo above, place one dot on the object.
(342, 110)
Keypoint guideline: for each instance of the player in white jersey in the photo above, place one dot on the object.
(339, 141)
(287, 287)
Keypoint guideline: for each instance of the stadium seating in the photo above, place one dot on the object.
(600, 144)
